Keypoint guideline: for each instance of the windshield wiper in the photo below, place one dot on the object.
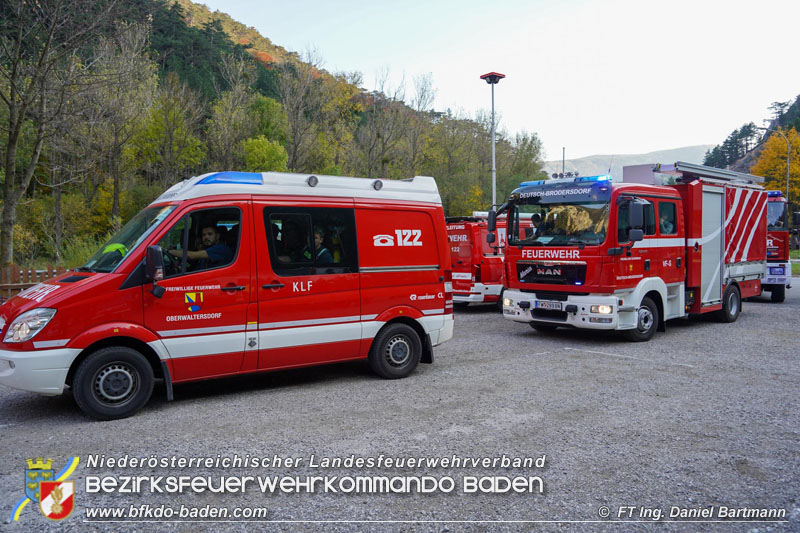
(84, 269)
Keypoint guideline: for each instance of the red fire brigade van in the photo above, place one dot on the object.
(478, 272)
(779, 270)
(667, 242)
(235, 272)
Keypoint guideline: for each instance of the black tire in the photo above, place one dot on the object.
(543, 327)
(499, 302)
(395, 352)
(778, 294)
(731, 304)
(113, 383)
(647, 317)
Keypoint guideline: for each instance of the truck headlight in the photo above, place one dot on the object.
(28, 324)
(776, 271)
(508, 302)
(601, 309)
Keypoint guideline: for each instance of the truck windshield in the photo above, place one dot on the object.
(127, 239)
(560, 224)
(776, 215)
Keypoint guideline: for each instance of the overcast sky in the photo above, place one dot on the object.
(597, 77)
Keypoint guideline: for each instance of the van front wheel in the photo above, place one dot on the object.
(113, 383)
(395, 352)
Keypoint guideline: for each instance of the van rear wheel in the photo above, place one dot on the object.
(395, 352)
(112, 383)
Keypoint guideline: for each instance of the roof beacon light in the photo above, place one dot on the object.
(774, 193)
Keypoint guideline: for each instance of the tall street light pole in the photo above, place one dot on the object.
(493, 78)
(788, 154)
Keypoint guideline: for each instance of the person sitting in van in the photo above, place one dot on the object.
(321, 253)
(215, 253)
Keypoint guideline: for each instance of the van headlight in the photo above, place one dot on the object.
(601, 309)
(28, 324)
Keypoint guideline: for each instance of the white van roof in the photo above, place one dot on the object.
(416, 189)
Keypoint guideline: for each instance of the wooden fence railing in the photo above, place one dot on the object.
(14, 279)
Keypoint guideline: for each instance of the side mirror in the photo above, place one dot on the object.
(492, 221)
(796, 218)
(635, 234)
(636, 215)
(490, 238)
(154, 268)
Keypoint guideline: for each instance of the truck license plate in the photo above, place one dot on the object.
(544, 304)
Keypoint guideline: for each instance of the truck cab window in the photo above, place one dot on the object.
(623, 226)
(667, 220)
(204, 239)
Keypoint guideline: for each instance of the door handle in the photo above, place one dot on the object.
(272, 286)
(233, 289)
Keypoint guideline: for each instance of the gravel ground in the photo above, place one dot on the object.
(704, 415)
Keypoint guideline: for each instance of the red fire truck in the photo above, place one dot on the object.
(666, 242)
(478, 271)
(236, 272)
(779, 270)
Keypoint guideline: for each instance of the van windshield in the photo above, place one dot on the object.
(126, 240)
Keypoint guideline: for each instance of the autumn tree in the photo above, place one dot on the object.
(301, 95)
(772, 163)
(168, 145)
(45, 58)
(231, 121)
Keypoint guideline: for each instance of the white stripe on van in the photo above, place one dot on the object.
(311, 322)
(402, 268)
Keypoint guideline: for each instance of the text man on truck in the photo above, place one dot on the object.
(667, 242)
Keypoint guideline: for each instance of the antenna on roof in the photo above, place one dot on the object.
(609, 165)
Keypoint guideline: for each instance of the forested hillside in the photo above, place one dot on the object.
(763, 150)
(107, 103)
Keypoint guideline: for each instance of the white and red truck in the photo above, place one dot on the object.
(779, 269)
(478, 271)
(236, 272)
(667, 242)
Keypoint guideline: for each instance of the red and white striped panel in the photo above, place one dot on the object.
(745, 224)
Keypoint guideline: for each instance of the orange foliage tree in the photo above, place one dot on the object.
(772, 163)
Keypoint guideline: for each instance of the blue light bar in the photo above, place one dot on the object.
(239, 178)
(604, 177)
(526, 183)
(774, 193)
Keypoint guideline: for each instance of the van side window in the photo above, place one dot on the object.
(623, 226)
(201, 240)
(311, 240)
(667, 220)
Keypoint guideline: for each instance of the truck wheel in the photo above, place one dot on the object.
(395, 352)
(112, 383)
(646, 322)
(731, 304)
(543, 327)
(778, 293)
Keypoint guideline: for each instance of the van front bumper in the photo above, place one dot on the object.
(42, 371)
(575, 311)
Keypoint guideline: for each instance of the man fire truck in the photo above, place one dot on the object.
(779, 270)
(667, 242)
